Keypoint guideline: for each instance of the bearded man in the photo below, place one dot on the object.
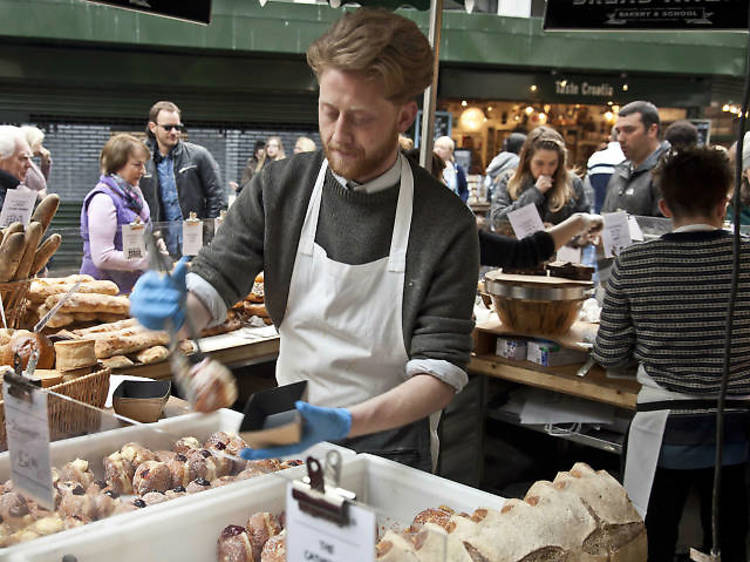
(370, 264)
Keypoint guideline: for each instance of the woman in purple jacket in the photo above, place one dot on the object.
(116, 200)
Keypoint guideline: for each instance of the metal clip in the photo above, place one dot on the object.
(18, 387)
(323, 499)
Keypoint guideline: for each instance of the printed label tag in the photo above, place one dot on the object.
(616, 233)
(133, 242)
(525, 221)
(567, 254)
(18, 206)
(192, 237)
(28, 443)
(314, 538)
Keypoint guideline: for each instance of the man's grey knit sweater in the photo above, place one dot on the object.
(262, 229)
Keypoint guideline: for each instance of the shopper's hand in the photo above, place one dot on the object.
(158, 297)
(318, 424)
(234, 185)
(543, 183)
(591, 228)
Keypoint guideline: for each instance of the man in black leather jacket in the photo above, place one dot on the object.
(182, 177)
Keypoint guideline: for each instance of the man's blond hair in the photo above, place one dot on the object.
(379, 44)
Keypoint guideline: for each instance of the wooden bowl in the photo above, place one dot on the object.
(142, 401)
(536, 305)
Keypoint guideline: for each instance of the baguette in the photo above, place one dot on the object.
(111, 327)
(44, 252)
(11, 253)
(13, 227)
(33, 236)
(70, 279)
(46, 210)
(117, 362)
(122, 345)
(90, 302)
(39, 292)
(111, 317)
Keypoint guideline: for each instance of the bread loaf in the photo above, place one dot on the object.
(75, 354)
(108, 327)
(152, 354)
(46, 210)
(11, 252)
(39, 291)
(117, 362)
(90, 302)
(44, 252)
(32, 237)
(122, 345)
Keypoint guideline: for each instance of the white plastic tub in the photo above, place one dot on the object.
(189, 531)
(96, 446)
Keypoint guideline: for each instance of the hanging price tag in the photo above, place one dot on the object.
(218, 221)
(192, 237)
(616, 233)
(133, 243)
(27, 427)
(525, 221)
(316, 538)
(18, 206)
(567, 254)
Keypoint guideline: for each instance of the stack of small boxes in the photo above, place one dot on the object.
(542, 352)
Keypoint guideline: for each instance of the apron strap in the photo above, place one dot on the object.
(402, 222)
(697, 404)
(310, 225)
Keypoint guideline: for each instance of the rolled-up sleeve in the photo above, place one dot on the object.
(444, 371)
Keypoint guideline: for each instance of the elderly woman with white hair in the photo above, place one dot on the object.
(37, 176)
(15, 158)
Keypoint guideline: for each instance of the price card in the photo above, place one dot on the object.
(568, 254)
(525, 221)
(133, 242)
(192, 237)
(314, 538)
(636, 234)
(28, 441)
(217, 224)
(18, 206)
(616, 233)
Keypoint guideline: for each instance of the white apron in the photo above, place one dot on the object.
(342, 329)
(645, 437)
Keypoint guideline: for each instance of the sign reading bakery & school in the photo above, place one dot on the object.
(619, 15)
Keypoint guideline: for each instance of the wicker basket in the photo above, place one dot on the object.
(13, 294)
(67, 419)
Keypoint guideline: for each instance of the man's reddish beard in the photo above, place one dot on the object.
(358, 164)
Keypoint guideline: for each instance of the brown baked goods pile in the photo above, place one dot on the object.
(254, 303)
(23, 253)
(582, 515)
(569, 270)
(261, 539)
(134, 477)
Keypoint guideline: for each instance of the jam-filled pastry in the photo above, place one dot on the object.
(198, 485)
(227, 442)
(251, 471)
(119, 473)
(40, 528)
(202, 464)
(269, 465)
(73, 522)
(234, 545)
(5, 533)
(290, 463)
(176, 492)
(14, 511)
(212, 384)
(179, 470)
(261, 527)
(164, 456)
(152, 498)
(185, 445)
(135, 454)
(101, 487)
(78, 503)
(223, 481)
(275, 549)
(152, 476)
(77, 470)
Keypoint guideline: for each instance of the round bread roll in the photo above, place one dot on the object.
(24, 343)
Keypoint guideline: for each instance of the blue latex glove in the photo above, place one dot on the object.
(157, 297)
(319, 424)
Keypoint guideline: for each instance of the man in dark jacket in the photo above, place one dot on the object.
(182, 177)
(631, 187)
